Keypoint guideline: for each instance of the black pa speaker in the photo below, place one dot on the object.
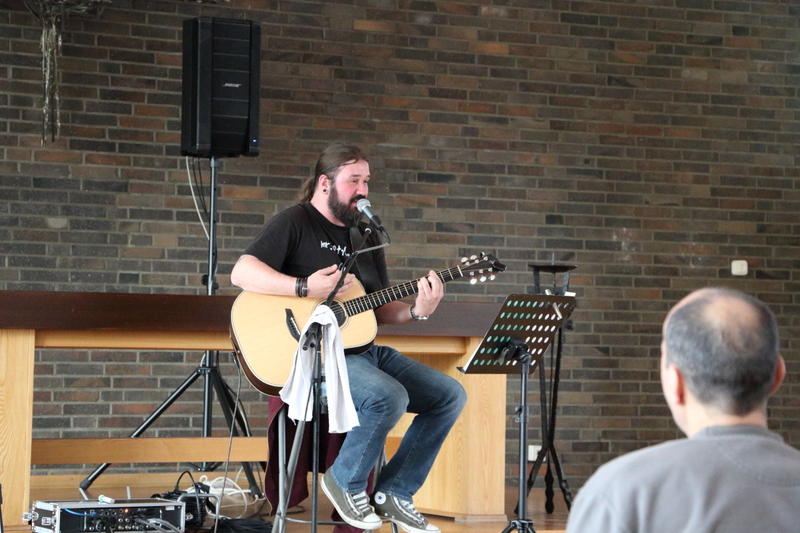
(221, 80)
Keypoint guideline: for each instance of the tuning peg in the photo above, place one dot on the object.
(463, 259)
(473, 281)
(483, 278)
(473, 257)
(491, 278)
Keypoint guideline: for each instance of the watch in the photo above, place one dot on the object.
(415, 317)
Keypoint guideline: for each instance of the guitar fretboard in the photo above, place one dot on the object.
(390, 294)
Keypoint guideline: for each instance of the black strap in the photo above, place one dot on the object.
(367, 272)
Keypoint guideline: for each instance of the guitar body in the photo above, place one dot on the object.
(264, 341)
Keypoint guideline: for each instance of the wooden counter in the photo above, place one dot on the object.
(467, 481)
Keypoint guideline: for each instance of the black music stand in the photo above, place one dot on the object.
(548, 418)
(516, 342)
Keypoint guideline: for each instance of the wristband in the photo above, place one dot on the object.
(415, 317)
(301, 287)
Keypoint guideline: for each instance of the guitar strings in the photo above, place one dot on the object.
(378, 298)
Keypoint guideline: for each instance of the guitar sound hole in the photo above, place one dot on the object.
(338, 311)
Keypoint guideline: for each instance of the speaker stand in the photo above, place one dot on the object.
(208, 369)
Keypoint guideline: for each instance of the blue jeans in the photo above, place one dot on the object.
(384, 385)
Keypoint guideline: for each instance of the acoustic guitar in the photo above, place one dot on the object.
(265, 329)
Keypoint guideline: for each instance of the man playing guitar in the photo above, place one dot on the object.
(297, 253)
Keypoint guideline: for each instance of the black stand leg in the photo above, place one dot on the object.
(553, 457)
(213, 381)
(287, 468)
(1, 509)
(315, 436)
(228, 405)
(548, 450)
(526, 526)
(87, 482)
(522, 523)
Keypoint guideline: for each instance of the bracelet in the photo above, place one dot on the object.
(301, 287)
(414, 316)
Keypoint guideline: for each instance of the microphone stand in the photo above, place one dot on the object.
(314, 339)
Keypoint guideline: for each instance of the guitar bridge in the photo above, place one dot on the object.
(291, 325)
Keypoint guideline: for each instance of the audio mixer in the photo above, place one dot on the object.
(107, 515)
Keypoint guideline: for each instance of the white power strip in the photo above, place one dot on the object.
(229, 494)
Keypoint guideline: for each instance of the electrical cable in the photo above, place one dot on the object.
(196, 181)
(200, 507)
(101, 522)
(195, 508)
(198, 177)
(164, 523)
(233, 495)
(192, 179)
(245, 525)
(76, 513)
(230, 444)
(235, 490)
(245, 423)
(235, 396)
(146, 523)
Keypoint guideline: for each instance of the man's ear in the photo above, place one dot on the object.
(674, 385)
(780, 373)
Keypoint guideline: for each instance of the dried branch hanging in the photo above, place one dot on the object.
(52, 14)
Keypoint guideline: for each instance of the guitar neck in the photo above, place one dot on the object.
(390, 294)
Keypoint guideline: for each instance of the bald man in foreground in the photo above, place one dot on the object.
(719, 364)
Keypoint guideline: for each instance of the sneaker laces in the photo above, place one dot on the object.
(360, 503)
(410, 509)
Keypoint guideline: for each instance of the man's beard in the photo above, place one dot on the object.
(342, 210)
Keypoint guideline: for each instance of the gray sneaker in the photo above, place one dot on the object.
(353, 508)
(402, 513)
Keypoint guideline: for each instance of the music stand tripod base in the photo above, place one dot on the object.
(516, 342)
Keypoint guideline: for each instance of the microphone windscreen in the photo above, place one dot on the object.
(363, 204)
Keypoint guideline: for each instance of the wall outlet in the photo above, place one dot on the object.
(533, 451)
(739, 267)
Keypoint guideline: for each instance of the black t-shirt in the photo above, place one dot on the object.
(300, 240)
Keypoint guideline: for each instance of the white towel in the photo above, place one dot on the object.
(342, 416)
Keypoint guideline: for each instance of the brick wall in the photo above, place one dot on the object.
(649, 144)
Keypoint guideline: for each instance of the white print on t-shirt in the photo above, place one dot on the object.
(342, 251)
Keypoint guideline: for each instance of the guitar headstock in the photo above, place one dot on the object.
(481, 267)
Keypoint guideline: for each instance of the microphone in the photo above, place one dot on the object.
(365, 207)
